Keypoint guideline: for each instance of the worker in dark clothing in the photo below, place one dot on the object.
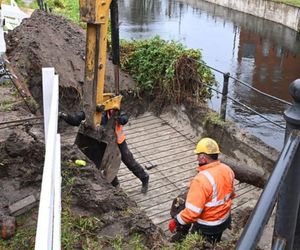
(207, 205)
(126, 156)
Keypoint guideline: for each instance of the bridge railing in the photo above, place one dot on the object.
(282, 187)
(48, 235)
(225, 96)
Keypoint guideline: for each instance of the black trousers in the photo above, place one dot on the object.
(212, 234)
(128, 159)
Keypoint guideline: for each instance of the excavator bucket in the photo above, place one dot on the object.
(102, 149)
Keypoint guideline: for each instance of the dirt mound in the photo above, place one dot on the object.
(21, 167)
(95, 197)
(46, 40)
(85, 196)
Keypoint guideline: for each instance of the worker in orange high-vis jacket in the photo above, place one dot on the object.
(126, 156)
(209, 198)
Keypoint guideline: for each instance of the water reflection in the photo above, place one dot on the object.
(274, 66)
(262, 53)
(141, 12)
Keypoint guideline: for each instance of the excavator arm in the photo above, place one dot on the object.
(96, 140)
(96, 14)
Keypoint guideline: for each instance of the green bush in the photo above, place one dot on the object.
(166, 67)
(67, 8)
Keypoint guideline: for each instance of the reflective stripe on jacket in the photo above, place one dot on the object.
(210, 196)
(119, 133)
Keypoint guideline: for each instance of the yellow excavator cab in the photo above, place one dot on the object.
(95, 139)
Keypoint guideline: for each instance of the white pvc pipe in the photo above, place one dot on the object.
(57, 197)
(57, 191)
(44, 239)
(48, 81)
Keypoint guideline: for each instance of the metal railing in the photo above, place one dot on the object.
(248, 85)
(282, 187)
(267, 200)
(225, 96)
(48, 235)
(224, 104)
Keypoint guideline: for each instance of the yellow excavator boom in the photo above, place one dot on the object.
(96, 14)
(96, 140)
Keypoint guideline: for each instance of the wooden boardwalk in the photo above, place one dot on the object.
(154, 141)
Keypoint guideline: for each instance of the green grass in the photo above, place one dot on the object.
(292, 2)
(66, 8)
(213, 118)
(7, 105)
(20, 3)
(25, 233)
(192, 241)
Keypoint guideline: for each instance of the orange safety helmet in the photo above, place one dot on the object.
(207, 146)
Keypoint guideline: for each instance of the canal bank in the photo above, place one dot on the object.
(284, 14)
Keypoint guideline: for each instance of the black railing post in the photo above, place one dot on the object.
(287, 226)
(41, 4)
(224, 96)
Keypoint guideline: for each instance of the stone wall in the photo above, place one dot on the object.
(277, 12)
(278, 33)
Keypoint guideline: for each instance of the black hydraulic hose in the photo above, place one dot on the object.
(115, 42)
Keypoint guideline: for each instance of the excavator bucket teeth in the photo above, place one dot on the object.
(101, 148)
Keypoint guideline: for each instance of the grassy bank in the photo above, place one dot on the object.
(291, 2)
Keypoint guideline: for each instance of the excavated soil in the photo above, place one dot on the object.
(21, 158)
(47, 40)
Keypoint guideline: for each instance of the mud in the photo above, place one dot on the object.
(41, 42)
(94, 196)
(21, 161)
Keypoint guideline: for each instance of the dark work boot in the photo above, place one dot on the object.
(145, 184)
(116, 183)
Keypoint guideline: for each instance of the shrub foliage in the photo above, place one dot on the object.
(167, 68)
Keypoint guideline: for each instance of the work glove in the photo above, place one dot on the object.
(172, 225)
(123, 118)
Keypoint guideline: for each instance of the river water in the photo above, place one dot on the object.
(262, 53)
